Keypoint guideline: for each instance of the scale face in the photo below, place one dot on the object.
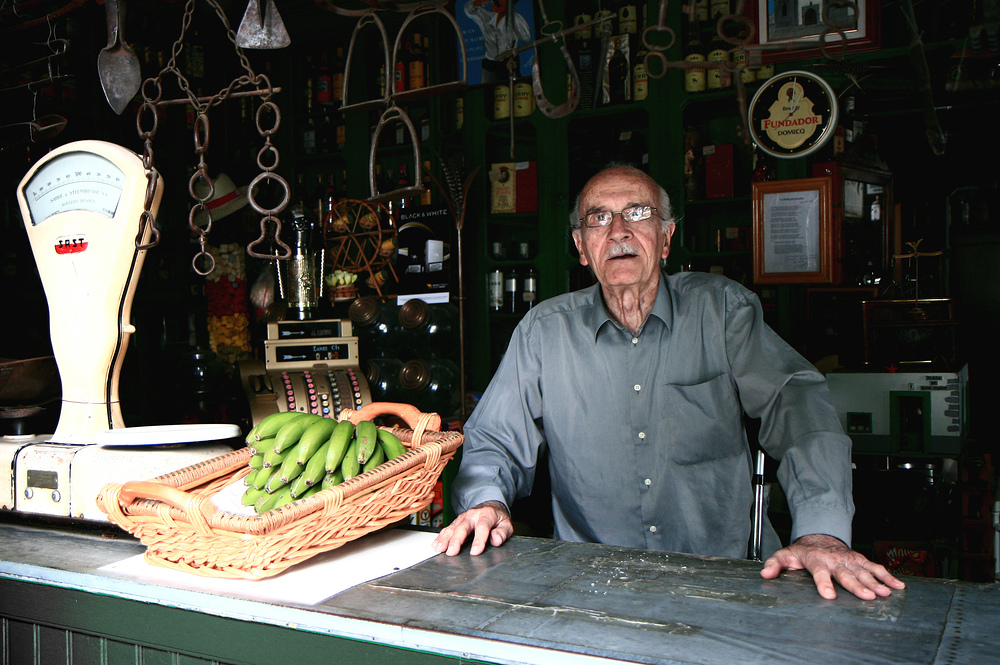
(82, 205)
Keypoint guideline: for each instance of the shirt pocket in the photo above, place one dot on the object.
(703, 421)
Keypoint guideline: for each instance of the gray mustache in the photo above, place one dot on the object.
(621, 249)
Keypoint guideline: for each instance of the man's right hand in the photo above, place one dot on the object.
(489, 521)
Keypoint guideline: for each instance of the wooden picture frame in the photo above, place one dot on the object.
(794, 239)
(799, 38)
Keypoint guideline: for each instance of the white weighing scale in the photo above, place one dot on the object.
(82, 204)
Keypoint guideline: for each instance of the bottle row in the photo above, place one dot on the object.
(413, 330)
(512, 290)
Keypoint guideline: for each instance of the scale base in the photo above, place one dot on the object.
(63, 480)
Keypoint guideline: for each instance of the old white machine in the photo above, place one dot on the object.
(310, 366)
(82, 206)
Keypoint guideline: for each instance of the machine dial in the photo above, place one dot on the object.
(72, 182)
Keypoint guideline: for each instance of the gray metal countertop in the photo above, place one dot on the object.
(544, 601)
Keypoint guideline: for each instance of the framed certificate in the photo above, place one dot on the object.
(793, 232)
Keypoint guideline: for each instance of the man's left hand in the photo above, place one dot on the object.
(828, 559)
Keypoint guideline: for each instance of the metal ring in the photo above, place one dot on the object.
(201, 230)
(146, 108)
(277, 239)
(159, 90)
(650, 48)
(267, 175)
(663, 59)
(146, 218)
(270, 106)
(209, 262)
(200, 129)
(200, 174)
(267, 147)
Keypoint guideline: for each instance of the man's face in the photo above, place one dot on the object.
(622, 254)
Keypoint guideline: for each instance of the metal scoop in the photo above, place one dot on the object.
(117, 64)
(262, 32)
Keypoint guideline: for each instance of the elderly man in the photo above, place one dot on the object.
(637, 388)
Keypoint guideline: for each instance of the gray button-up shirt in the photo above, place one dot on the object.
(645, 431)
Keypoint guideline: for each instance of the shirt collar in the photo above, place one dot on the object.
(597, 314)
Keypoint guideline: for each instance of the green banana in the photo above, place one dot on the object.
(249, 478)
(315, 467)
(259, 447)
(284, 497)
(292, 431)
(332, 479)
(266, 502)
(275, 483)
(315, 436)
(274, 458)
(309, 492)
(263, 477)
(270, 425)
(298, 487)
(339, 441)
(250, 435)
(391, 444)
(375, 459)
(257, 460)
(366, 434)
(251, 495)
(290, 467)
(350, 465)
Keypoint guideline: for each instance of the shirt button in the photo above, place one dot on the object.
(637, 387)
(652, 529)
(642, 435)
(635, 340)
(647, 481)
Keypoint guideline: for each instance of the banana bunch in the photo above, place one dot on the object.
(341, 278)
(298, 454)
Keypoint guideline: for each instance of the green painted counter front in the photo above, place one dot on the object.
(530, 601)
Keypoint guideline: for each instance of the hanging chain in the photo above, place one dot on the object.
(200, 215)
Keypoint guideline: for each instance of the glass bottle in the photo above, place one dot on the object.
(376, 325)
(431, 385)
(694, 78)
(529, 290)
(510, 291)
(495, 285)
(417, 66)
(432, 328)
(383, 379)
(324, 81)
(718, 77)
(619, 76)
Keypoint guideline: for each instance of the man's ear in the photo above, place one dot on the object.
(579, 246)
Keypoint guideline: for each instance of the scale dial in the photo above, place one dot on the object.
(793, 114)
(74, 182)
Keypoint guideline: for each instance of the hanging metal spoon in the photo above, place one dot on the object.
(117, 64)
(259, 31)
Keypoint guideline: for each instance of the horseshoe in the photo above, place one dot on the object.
(543, 104)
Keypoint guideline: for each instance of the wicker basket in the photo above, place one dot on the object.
(174, 516)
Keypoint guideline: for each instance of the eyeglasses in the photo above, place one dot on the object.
(629, 216)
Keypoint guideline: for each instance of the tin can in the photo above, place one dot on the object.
(524, 99)
(501, 102)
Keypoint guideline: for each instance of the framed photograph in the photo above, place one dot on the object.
(797, 25)
(794, 240)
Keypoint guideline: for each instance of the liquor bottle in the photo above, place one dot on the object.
(640, 78)
(323, 82)
(426, 198)
(583, 50)
(718, 8)
(309, 131)
(529, 290)
(495, 286)
(740, 59)
(326, 133)
(402, 67)
(619, 75)
(425, 53)
(700, 11)
(416, 71)
(510, 291)
(339, 130)
(608, 19)
(337, 78)
(765, 71)
(694, 78)
(628, 21)
(431, 328)
(763, 169)
(718, 78)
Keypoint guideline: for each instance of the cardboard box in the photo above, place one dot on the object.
(718, 171)
(514, 187)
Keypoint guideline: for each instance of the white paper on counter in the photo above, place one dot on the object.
(307, 583)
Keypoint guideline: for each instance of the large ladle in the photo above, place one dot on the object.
(117, 64)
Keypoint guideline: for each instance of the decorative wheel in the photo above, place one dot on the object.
(357, 241)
